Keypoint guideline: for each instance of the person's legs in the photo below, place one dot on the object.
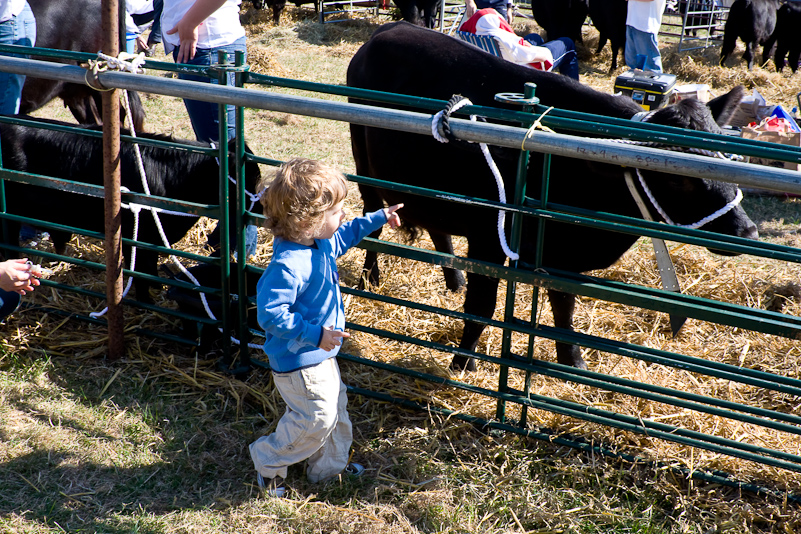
(332, 457)
(204, 115)
(9, 301)
(642, 50)
(155, 29)
(535, 39)
(312, 397)
(564, 56)
(206, 123)
(653, 59)
(20, 30)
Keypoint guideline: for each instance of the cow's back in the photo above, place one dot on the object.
(407, 59)
(402, 58)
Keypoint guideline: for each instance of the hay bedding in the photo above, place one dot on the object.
(747, 281)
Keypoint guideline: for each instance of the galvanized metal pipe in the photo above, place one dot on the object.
(598, 150)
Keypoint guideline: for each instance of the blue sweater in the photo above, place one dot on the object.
(298, 295)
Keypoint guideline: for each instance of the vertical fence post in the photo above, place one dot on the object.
(243, 330)
(223, 224)
(111, 180)
(528, 101)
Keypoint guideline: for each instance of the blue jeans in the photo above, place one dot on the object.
(19, 30)
(155, 29)
(206, 122)
(563, 51)
(9, 301)
(204, 117)
(642, 50)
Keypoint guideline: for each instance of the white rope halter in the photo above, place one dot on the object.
(436, 121)
(709, 218)
(643, 116)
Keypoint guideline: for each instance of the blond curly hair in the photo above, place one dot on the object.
(296, 200)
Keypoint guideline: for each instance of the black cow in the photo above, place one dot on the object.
(420, 12)
(73, 26)
(560, 18)
(753, 21)
(401, 58)
(190, 303)
(786, 36)
(609, 18)
(174, 174)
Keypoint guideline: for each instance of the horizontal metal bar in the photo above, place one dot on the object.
(624, 422)
(97, 191)
(744, 375)
(558, 144)
(629, 294)
(713, 476)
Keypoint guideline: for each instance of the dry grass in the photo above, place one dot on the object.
(157, 442)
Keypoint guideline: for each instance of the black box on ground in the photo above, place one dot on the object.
(649, 89)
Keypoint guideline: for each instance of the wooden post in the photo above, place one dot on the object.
(111, 181)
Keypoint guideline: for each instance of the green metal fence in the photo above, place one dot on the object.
(787, 421)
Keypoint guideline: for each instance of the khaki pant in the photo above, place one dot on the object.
(314, 427)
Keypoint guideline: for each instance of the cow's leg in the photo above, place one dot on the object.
(615, 51)
(60, 239)
(409, 13)
(479, 300)
(729, 44)
(563, 306)
(84, 110)
(768, 49)
(146, 262)
(454, 280)
(794, 57)
(778, 57)
(750, 53)
(430, 14)
(278, 7)
(372, 201)
(13, 228)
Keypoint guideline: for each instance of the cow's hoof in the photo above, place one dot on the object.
(573, 360)
(454, 280)
(460, 363)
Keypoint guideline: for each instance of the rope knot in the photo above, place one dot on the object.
(124, 62)
(440, 125)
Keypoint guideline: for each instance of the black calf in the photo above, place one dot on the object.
(170, 173)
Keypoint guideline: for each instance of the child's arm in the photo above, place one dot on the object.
(350, 233)
(276, 293)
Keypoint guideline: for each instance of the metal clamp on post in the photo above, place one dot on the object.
(519, 99)
(219, 68)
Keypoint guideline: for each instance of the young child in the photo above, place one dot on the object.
(301, 311)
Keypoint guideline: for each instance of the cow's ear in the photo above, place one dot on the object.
(723, 107)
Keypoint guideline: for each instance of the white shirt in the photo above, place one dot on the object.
(136, 7)
(220, 29)
(645, 16)
(10, 8)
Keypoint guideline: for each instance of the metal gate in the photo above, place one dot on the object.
(784, 419)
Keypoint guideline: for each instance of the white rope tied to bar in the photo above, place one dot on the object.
(436, 124)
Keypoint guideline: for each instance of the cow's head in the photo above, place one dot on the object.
(687, 200)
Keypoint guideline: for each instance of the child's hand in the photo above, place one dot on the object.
(393, 220)
(332, 338)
